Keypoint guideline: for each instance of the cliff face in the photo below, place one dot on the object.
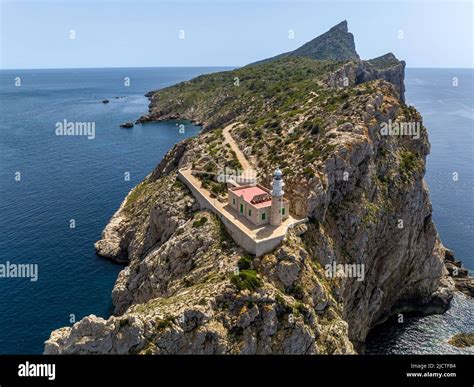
(188, 288)
(386, 67)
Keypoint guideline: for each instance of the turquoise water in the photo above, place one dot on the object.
(69, 177)
(448, 113)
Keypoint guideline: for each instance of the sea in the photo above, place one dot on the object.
(445, 99)
(57, 192)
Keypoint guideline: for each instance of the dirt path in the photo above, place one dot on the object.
(233, 145)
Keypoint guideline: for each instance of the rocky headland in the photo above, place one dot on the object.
(316, 113)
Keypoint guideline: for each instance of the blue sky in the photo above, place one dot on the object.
(139, 33)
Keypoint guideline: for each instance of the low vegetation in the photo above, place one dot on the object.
(200, 222)
(409, 162)
(247, 279)
(164, 323)
(245, 262)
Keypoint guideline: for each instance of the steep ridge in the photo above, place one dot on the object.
(337, 44)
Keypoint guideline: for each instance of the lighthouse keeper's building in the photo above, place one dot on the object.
(260, 205)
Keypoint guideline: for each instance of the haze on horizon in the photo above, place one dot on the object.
(122, 33)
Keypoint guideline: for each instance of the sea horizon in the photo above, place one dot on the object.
(203, 66)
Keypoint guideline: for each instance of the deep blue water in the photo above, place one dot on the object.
(448, 113)
(65, 178)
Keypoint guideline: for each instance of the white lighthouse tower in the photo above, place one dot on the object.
(277, 198)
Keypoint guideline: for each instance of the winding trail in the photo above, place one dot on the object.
(228, 139)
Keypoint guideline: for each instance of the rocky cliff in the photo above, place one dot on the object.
(188, 288)
(386, 67)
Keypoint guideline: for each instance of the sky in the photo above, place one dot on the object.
(143, 33)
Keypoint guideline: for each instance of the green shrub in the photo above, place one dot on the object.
(200, 222)
(218, 188)
(280, 300)
(245, 262)
(314, 126)
(138, 192)
(247, 279)
(297, 291)
(311, 155)
(273, 125)
(178, 184)
(164, 323)
(308, 171)
(371, 213)
(408, 164)
(299, 308)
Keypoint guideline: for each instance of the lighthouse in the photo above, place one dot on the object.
(277, 209)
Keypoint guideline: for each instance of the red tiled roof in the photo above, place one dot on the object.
(250, 192)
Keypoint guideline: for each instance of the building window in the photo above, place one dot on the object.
(250, 212)
(233, 201)
(241, 208)
(283, 211)
(264, 215)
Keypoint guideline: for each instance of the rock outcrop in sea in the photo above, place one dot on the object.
(189, 288)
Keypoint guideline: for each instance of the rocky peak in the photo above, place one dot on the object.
(384, 61)
(337, 44)
(342, 26)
